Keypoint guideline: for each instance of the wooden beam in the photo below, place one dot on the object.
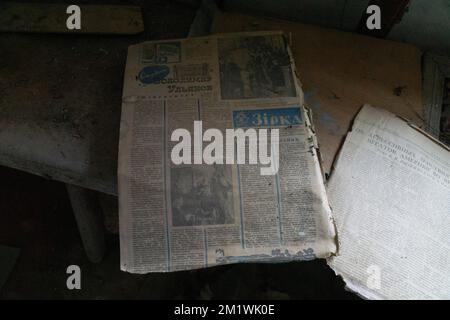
(51, 18)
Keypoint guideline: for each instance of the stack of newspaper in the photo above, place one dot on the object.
(219, 163)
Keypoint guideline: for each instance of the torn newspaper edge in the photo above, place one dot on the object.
(390, 196)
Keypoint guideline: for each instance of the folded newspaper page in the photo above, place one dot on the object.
(390, 195)
(217, 158)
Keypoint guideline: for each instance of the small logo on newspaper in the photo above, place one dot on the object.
(151, 74)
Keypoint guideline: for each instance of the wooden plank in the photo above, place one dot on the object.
(341, 71)
(51, 18)
(340, 14)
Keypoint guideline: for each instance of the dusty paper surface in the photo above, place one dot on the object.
(178, 217)
(390, 196)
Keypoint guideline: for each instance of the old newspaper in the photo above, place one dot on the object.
(178, 216)
(390, 195)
